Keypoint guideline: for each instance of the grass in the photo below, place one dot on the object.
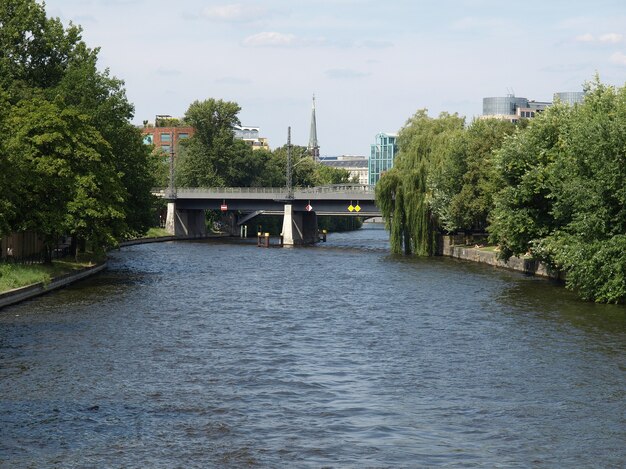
(156, 232)
(20, 275)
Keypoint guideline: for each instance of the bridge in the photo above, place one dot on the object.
(300, 207)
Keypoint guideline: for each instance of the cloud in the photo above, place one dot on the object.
(585, 38)
(618, 58)
(276, 39)
(270, 39)
(608, 38)
(611, 38)
(344, 73)
(233, 13)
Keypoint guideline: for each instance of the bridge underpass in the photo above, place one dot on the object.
(300, 209)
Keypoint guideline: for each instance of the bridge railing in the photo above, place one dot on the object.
(337, 188)
(330, 189)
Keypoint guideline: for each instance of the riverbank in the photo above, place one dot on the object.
(19, 294)
(489, 255)
(450, 247)
(44, 279)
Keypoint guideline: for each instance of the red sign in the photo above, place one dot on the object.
(223, 207)
(308, 208)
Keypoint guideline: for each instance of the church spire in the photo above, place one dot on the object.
(314, 148)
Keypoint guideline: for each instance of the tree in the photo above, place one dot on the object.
(325, 175)
(564, 198)
(206, 159)
(34, 50)
(464, 182)
(41, 62)
(71, 184)
(403, 194)
(9, 178)
(523, 208)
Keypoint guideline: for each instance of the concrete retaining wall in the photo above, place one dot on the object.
(522, 264)
(24, 293)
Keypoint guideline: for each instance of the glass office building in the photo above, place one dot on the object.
(382, 154)
(503, 106)
(570, 97)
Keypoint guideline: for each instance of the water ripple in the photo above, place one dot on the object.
(221, 354)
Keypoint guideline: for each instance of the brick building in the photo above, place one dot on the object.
(164, 137)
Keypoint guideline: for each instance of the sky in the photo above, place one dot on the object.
(371, 64)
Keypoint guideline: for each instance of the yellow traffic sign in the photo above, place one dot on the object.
(351, 208)
(357, 208)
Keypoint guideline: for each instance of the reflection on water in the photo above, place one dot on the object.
(222, 354)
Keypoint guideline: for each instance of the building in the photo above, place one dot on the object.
(382, 154)
(357, 166)
(512, 108)
(165, 138)
(165, 133)
(570, 97)
(250, 135)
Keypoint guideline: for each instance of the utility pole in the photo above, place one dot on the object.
(172, 188)
(289, 181)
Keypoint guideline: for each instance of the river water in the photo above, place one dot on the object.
(223, 354)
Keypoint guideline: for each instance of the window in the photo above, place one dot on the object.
(166, 137)
(148, 139)
(183, 135)
(166, 148)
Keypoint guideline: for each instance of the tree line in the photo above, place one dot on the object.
(213, 157)
(71, 163)
(553, 187)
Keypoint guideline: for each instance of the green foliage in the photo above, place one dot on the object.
(20, 275)
(159, 167)
(595, 269)
(403, 194)
(212, 157)
(326, 175)
(564, 197)
(168, 122)
(334, 224)
(554, 186)
(71, 184)
(465, 181)
(72, 162)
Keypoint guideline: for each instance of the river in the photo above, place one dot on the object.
(222, 354)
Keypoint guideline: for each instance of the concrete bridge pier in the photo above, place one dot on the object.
(299, 227)
(185, 222)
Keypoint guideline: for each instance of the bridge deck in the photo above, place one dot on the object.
(326, 200)
(335, 192)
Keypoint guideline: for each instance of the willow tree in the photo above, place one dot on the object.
(404, 193)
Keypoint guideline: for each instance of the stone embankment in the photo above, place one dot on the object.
(458, 247)
(30, 291)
